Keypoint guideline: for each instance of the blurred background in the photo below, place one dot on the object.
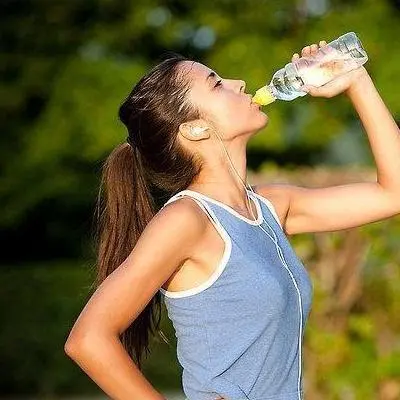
(66, 65)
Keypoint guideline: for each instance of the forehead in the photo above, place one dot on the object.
(198, 74)
(195, 69)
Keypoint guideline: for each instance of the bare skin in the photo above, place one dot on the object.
(189, 247)
(347, 206)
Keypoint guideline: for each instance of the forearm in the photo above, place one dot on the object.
(106, 362)
(382, 131)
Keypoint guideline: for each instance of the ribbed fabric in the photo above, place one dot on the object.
(239, 334)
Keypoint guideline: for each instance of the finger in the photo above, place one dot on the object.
(295, 56)
(305, 52)
(305, 88)
(317, 91)
(324, 48)
(313, 49)
(310, 89)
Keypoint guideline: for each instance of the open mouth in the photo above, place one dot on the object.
(257, 105)
(253, 103)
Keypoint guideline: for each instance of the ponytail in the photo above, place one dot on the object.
(123, 210)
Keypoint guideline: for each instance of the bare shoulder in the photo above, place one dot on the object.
(181, 216)
(171, 236)
(278, 194)
(184, 208)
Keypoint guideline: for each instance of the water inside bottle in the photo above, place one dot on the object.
(325, 66)
(336, 58)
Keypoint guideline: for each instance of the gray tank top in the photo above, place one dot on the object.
(239, 333)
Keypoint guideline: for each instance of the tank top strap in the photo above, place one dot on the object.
(203, 205)
(270, 207)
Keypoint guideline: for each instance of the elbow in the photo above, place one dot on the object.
(76, 343)
(84, 342)
(71, 347)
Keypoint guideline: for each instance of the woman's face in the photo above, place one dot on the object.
(224, 102)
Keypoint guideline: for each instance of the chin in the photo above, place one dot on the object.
(257, 123)
(264, 119)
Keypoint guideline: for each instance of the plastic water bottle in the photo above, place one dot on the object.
(335, 58)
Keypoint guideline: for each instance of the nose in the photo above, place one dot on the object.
(242, 86)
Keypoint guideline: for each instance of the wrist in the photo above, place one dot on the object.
(361, 80)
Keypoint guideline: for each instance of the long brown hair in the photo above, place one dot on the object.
(137, 179)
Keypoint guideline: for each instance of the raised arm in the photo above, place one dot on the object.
(347, 206)
(93, 342)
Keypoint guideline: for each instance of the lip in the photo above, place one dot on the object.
(256, 104)
(252, 103)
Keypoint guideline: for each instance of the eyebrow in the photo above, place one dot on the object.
(211, 75)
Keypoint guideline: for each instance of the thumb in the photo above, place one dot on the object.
(315, 91)
(309, 89)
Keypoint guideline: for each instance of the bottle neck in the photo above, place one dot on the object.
(272, 90)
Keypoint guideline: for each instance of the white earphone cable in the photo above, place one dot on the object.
(280, 254)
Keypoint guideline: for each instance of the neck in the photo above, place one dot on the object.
(218, 180)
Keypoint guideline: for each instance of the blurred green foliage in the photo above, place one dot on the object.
(66, 67)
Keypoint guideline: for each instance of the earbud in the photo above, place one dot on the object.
(196, 130)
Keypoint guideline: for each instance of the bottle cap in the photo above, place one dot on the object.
(263, 96)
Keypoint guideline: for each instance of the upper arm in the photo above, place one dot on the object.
(340, 207)
(278, 195)
(166, 242)
(335, 208)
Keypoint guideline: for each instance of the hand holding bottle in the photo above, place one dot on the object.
(340, 83)
(317, 66)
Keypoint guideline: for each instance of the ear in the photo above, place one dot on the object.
(194, 131)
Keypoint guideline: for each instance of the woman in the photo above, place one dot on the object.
(176, 220)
